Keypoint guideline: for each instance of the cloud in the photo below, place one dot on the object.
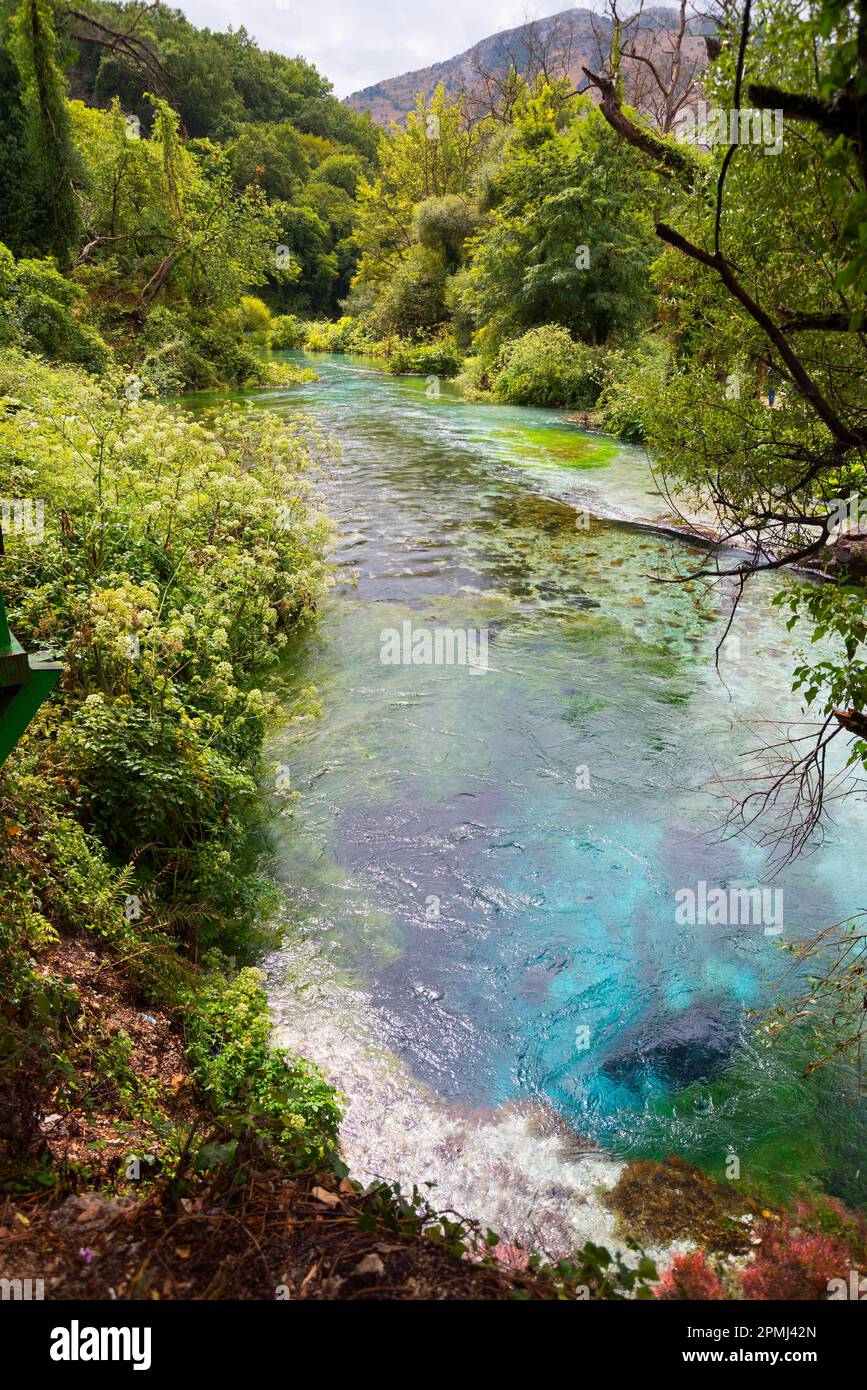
(356, 43)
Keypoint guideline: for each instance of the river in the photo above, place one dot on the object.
(480, 865)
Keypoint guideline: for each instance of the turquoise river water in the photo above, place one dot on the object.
(480, 866)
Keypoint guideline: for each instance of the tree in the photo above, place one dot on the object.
(765, 280)
(270, 157)
(661, 70)
(436, 155)
(53, 164)
(567, 239)
(166, 225)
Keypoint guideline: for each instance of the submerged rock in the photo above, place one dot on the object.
(673, 1200)
(692, 1046)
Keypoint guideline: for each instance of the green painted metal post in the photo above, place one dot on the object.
(25, 682)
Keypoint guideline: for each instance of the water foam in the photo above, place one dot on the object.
(517, 1168)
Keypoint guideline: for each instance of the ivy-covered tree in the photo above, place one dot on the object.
(53, 167)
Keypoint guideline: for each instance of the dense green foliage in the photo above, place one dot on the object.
(195, 167)
(276, 120)
(163, 587)
(175, 200)
(37, 306)
(244, 1075)
(484, 234)
(546, 366)
(177, 556)
(51, 163)
(567, 239)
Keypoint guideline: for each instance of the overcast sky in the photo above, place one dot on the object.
(358, 42)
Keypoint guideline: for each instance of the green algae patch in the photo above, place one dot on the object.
(568, 446)
(672, 1200)
(571, 447)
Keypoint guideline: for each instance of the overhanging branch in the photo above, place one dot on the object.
(675, 162)
(852, 439)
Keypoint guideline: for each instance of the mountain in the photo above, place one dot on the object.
(561, 44)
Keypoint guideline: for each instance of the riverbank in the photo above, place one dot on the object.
(169, 563)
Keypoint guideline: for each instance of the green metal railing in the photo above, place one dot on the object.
(25, 682)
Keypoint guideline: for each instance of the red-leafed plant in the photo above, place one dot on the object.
(690, 1277)
(795, 1265)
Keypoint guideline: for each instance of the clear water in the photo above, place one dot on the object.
(460, 905)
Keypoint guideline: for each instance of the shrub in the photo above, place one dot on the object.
(177, 354)
(362, 338)
(421, 359)
(690, 1277)
(38, 312)
(632, 378)
(547, 367)
(255, 314)
(287, 1099)
(347, 334)
(285, 333)
(325, 336)
(474, 378)
(412, 304)
(216, 356)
